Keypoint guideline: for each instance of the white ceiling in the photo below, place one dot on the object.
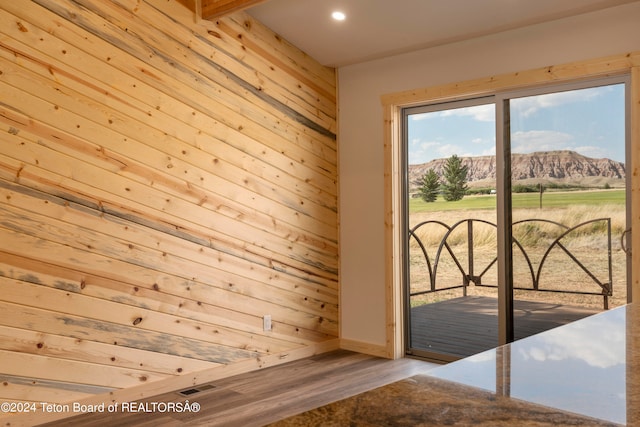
(379, 28)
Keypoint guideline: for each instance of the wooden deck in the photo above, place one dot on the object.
(464, 326)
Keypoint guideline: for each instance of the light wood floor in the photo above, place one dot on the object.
(262, 397)
(268, 395)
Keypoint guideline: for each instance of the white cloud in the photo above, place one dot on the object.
(485, 356)
(421, 116)
(481, 113)
(541, 140)
(593, 151)
(532, 104)
(448, 150)
(577, 343)
(491, 151)
(422, 151)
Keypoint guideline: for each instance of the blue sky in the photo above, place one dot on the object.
(589, 121)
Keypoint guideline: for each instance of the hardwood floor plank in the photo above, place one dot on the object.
(306, 394)
(261, 397)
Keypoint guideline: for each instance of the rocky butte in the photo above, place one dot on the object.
(561, 167)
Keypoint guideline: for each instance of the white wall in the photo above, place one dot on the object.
(610, 32)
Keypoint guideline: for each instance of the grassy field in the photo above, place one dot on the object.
(550, 199)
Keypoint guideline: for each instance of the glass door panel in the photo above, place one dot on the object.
(568, 199)
(450, 270)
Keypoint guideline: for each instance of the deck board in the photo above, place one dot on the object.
(464, 326)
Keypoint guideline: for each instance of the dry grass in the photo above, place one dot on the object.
(560, 272)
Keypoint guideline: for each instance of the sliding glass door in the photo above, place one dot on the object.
(516, 211)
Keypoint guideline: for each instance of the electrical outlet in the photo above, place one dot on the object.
(266, 322)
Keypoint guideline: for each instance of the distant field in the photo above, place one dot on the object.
(523, 200)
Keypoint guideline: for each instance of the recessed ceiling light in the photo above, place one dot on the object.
(338, 16)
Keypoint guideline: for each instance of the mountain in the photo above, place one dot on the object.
(567, 167)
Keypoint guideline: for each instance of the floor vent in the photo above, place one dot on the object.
(194, 390)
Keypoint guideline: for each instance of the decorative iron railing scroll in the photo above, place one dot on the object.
(468, 272)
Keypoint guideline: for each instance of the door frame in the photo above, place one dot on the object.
(624, 64)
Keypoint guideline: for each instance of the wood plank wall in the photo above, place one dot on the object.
(164, 183)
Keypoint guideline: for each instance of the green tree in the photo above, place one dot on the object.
(429, 186)
(455, 179)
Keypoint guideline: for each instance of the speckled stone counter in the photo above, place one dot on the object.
(586, 373)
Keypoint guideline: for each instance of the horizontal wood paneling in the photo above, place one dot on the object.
(164, 183)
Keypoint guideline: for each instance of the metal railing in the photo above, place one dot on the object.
(468, 272)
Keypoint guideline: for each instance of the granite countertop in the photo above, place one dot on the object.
(586, 373)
